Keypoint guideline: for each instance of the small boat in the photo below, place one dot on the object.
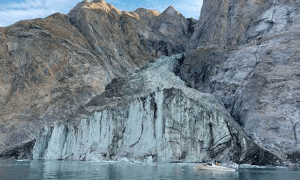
(213, 167)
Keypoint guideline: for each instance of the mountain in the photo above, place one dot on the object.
(247, 56)
(49, 67)
(99, 83)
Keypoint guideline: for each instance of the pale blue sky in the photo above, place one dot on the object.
(15, 10)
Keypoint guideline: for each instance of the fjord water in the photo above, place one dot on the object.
(69, 170)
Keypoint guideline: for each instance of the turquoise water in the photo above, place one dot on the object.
(62, 170)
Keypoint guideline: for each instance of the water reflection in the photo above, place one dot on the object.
(116, 171)
(218, 174)
(73, 170)
(9, 169)
(270, 173)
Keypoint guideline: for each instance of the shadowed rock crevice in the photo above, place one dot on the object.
(23, 151)
(139, 137)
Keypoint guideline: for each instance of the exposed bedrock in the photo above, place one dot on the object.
(234, 22)
(151, 116)
(256, 74)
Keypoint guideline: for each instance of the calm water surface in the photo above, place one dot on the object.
(11, 169)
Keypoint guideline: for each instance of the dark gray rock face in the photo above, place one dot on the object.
(253, 69)
(151, 116)
(23, 151)
(172, 24)
(234, 22)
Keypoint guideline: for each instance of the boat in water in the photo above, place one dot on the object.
(213, 167)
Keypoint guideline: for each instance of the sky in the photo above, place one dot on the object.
(12, 11)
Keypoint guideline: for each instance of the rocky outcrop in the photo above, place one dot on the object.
(49, 67)
(234, 22)
(123, 36)
(253, 69)
(47, 70)
(172, 24)
(151, 116)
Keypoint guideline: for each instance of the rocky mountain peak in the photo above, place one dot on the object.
(146, 13)
(172, 24)
(171, 11)
(98, 6)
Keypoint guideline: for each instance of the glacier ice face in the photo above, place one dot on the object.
(150, 116)
(181, 129)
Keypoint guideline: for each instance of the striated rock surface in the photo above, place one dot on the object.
(248, 58)
(151, 116)
(234, 22)
(49, 67)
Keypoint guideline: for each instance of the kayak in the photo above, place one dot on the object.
(213, 168)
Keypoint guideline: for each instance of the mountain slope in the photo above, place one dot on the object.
(49, 67)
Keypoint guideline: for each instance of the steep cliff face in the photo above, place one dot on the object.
(151, 116)
(256, 74)
(49, 67)
(234, 22)
(47, 70)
